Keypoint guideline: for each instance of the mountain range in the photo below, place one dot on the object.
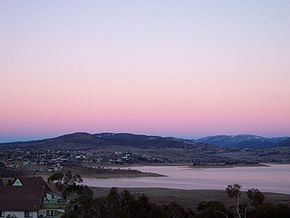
(245, 141)
(86, 141)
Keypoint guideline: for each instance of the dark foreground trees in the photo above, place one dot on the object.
(126, 205)
(67, 183)
(212, 209)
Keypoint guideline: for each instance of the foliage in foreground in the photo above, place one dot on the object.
(7, 172)
(126, 205)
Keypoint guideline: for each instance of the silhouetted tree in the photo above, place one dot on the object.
(8, 172)
(255, 198)
(212, 209)
(234, 191)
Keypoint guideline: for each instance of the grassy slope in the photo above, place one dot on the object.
(189, 198)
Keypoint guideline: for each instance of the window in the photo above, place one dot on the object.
(50, 213)
(17, 183)
(28, 214)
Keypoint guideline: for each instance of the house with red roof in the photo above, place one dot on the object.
(30, 197)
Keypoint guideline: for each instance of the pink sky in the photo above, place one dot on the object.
(187, 70)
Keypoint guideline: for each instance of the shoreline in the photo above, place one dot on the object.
(135, 173)
(230, 166)
(114, 176)
(108, 173)
(191, 166)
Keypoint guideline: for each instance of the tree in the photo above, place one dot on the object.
(234, 191)
(8, 172)
(255, 198)
(65, 183)
(113, 203)
(212, 209)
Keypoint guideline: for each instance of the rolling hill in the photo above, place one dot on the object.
(86, 141)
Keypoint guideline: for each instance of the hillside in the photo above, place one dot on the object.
(245, 141)
(86, 141)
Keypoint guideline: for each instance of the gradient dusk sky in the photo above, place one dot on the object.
(170, 68)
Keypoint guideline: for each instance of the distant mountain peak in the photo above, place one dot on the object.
(245, 140)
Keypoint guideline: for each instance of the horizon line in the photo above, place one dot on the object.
(186, 138)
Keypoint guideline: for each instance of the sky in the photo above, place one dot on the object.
(171, 68)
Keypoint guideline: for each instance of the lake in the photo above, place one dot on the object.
(275, 178)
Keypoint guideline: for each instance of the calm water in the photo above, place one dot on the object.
(275, 178)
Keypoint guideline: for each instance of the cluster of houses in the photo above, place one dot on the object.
(52, 161)
(29, 197)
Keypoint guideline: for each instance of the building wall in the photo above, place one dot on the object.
(19, 214)
(42, 212)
